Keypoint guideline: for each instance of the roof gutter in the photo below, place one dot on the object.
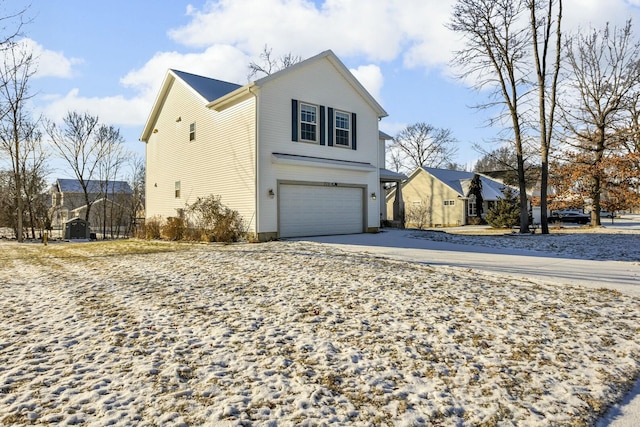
(232, 98)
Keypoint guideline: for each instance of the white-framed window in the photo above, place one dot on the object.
(177, 194)
(342, 129)
(473, 209)
(449, 202)
(308, 122)
(192, 132)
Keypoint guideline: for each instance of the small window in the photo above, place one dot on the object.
(177, 189)
(192, 132)
(449, 202)
(343, 129)
(308, 122)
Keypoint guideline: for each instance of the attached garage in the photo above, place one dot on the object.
(316, 210)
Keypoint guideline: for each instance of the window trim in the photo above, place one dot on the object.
(337, 129)
(192, 131)
(472, 209)
(302, 104)
(177, 190)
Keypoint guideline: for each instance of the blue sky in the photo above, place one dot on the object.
(109, 57)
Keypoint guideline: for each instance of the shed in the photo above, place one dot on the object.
(76, 228)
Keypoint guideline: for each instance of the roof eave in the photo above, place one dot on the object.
(157, 104)
(232, 98)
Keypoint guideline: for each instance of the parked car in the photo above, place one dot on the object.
(607, 214)
(569, 216)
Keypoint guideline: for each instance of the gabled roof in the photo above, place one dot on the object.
(93, 186)
(210, 89)
(340, 67)
(460, 181)
(218, 94)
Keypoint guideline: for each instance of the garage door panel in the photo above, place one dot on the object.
(308, 210)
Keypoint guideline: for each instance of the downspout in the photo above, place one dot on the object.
(257, 160)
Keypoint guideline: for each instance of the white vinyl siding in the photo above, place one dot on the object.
(221, 163)
(329, 89)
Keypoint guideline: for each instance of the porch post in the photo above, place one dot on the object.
(398, 205)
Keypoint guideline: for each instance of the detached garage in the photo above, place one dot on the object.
(313, 210)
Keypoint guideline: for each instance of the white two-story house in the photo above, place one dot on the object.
(296, 153)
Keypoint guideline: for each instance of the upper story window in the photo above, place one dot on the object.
(342, 129)
(322, 125)
(177, 194)
(192, 131)
(308, 122)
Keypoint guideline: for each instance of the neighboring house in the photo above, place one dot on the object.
(442, 196)
(296, 153)
(68, 201)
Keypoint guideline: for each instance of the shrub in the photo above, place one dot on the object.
(174, 229)
(152, 227)
(419, 215)
(506, 212)
(214, 222)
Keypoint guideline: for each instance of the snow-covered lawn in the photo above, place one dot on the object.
(298, 333)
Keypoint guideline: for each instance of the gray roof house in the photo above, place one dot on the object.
(443, 196)
(68, 198)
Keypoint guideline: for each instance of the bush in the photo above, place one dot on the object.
(419, 215)
(174, 229)
(214, 222)
(152, 227)
(505, 213)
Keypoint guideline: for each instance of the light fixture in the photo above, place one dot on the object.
(155, 131)
(271, 193)
(179, 119)
(373, 196)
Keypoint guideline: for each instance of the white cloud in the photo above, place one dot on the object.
(223, 62)
(370, 76)
(231, 33)
(50, 63)
(355, 27)
(112, 110)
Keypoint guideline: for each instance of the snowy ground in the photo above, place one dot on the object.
(300, 333)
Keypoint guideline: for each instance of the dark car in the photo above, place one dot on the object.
(570, 216)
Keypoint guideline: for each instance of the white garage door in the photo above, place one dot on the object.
(310, 210)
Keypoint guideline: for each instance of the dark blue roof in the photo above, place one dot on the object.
(210, 89)
(93, 186)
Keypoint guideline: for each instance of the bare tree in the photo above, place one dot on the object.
(109, 165)
(497, 40)
(137, 182)
(16, 69)
(269, 65)
(34, 182)
(605, 76)
(422, 144)
(542, 32)
(77, 143)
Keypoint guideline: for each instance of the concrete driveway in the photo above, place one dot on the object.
(398, 244)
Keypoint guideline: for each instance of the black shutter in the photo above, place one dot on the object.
(330, 138)
(353, 131)
(322, 126)
(294, 119)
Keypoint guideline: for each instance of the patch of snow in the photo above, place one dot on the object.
(304, 333)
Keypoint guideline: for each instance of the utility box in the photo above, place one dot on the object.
(76, 228)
